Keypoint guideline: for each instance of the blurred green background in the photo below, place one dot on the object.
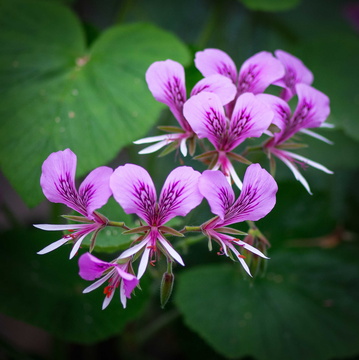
(72, 75)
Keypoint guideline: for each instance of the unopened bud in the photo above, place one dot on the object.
(166, 287)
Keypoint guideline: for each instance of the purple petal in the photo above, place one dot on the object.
(166, 81)
(218, 84)
(133, 189)
(129, 281)
(58, 180)
(250, 118)
(257, 197)
(214, 186)
(258, 72)
(95, 189)
(179, 194)
(295, 73)
(214, 61)
(206, 116)
(312, 109)
(91, 267)
(280, 109)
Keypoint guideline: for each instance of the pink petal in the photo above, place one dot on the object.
(214, 61)
(257, 197)
(91, 267)
(250, 118)
(129, 281)
(295, 73)
(95, 189)
(214, 186)
(218, 84)
(205, 114)
(312, 109)
(280, 109)
(179, 194)
(58, 180)
(166, 81)
(133, 189)
(258, 72)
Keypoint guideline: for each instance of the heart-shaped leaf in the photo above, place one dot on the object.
(304, 308)
(57, 94)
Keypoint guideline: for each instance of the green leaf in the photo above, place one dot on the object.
(56, 94)
(46, 291)
(270, 5)
(304, 308)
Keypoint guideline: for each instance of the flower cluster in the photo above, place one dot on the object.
(226, 107)
(229, 106)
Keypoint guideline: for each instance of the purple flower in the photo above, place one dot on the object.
(134, 190)
(311, 111)
(295, 73)
(117, 275)
(255, 75)
(166, 81)
(250, 118)
(256, 200)
(58, 185)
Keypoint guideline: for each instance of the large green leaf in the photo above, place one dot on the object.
(304, 308)
(46, 291)
(55, 93)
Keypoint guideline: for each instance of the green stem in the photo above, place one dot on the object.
(120, 224)
(191, 228)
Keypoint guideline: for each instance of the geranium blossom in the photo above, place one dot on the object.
(295, 73)
(256, 200)
(134, 190)
(166, 81)
(58, 185)
(117, 275)
(250, 118)
(255, 74)
(311, 111)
